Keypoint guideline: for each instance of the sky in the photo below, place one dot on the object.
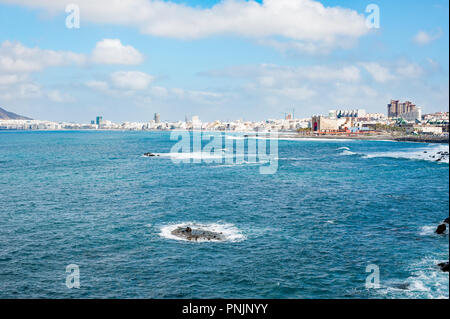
(220, 60)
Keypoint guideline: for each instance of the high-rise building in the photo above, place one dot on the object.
(397, 109)
(196, 123)
(98, 120)
(157, 118)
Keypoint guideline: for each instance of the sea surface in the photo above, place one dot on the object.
(333, 208)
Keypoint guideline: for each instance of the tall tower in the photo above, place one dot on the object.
(157, 118)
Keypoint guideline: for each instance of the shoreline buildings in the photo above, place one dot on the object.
(401, 116)
(406, 110)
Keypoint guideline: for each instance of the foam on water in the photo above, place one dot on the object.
(426, 281)
(430, 231)
(229, 231)
(425, 153)
(198, 155)
(347, 153)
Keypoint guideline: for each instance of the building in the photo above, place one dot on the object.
(196, 123)
(347, 113)
(98, 120)
(406, 110)
(157, 118)
(325, 124)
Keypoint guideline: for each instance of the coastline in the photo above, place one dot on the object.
(415, 139)
(293, 135)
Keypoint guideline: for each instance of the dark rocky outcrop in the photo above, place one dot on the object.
(197, 234)
(150, 154)
(441, 229)
(446, 220)
(444, 266)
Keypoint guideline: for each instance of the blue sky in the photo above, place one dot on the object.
(220, 60)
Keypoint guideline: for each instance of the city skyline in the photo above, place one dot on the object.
(128, 70)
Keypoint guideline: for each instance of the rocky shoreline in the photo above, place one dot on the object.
(380, 137)
(440, 230)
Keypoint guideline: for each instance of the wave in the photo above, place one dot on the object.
(343, 148)
(198, 155)
(229, 231)
(347, 153)
(426, 281)
(427, 154)
(298, 139)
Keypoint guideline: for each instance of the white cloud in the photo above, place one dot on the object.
(385, 72)
(271, 75)
(379, 73)
(409, 70)
(8, 79)
(112, 51)
(295, 93)
(300, 20)
(423, 38)
(15, 57)
(58, 97)
(131, 80)
(98, 85)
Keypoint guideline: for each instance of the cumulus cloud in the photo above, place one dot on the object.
(15, 57)
(112, 51)
(423, 37)
(385, 72)
(271, 75)
(131, 80)
(300, 20)
(59, 97)
(8, 79)
(379, 73)
(98, 85)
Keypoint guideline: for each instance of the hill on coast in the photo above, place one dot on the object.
(5, 115)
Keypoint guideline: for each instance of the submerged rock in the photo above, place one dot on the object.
(150, 154)
(403, 286)
(441, 229)
(197, 234)
(446, 220)
(444, 266)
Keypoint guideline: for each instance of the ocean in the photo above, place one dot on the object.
(333, 211)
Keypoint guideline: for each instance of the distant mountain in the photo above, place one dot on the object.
(5, 115)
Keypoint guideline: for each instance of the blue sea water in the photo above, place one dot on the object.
(307, 231)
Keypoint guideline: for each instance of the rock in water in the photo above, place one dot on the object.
(403, 286)
(197, 234)
(150, 154)
(441, 229)
(444, 266)
(446, 220)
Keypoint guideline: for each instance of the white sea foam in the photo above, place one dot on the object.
(230, 232)
(430, 230)
(198, 155)
(343, 148)
(347, 153)
(426, 281)
(424, 153)
(297, 139)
